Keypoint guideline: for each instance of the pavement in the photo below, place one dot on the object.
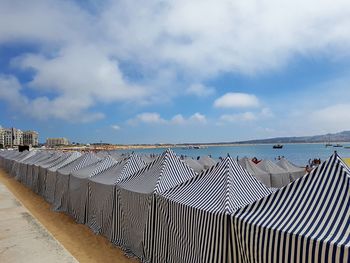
(23, 238)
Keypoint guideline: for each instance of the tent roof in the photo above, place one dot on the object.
(194, 164)
(251, 167)
(163, 173)
(206, 161)
(227, 185)
(95, 168)
(122, 170)
(314, 206)
(84, 160)
(288, 166)
(65, 159)
(270, 167)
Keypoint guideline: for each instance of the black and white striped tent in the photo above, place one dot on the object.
(191, 222)
(78, 187)
(279, 176)
(39, 171)
(295, 172)
(104, 204)
(137, 192)
(254, 170)
(16, 161)
(63, 178)
(51, 174)
(22, 167)
(306, 221)
(17, 164)
(27, 175)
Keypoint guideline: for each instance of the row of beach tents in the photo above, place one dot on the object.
(162, 210)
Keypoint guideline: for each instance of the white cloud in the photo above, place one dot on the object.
(333, 118)
(164, 40)
(236, 100)
(178, 119)
(200, 90)
(115, 127)
(197, 117)
(246, 116)
(147, 117)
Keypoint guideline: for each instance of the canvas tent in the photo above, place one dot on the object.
(30, 162)
(206, 161)
(39, 171)
(16, 161)
(194, 164)
(63, 178)
(279, 176)
(192, 220)
(254, 170)
(136, 194)
(78, 187)
(51, 174)
(17, 165)
(103, 205)
(306, 221)
(295, 172)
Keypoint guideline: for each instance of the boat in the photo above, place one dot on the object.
(338, 145)
(328, 144)
(277, 146)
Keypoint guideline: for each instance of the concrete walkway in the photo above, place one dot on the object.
(23, 238)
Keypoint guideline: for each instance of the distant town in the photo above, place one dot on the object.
(13, 138)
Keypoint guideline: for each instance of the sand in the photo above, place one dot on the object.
(76, 238)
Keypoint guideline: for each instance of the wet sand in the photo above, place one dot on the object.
(76, 238)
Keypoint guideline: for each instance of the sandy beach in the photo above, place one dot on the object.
(77, 239)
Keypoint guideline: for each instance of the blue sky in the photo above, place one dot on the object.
(174, 71)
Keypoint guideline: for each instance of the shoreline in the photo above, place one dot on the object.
(164, 146)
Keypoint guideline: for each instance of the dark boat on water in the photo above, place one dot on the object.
(338, 145)
(277, 146)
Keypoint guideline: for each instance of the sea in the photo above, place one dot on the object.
(299, 154)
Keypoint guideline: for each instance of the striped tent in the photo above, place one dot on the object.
(78, 187)
(17, 165)
(136, 194)
(51, 174)
(9, 159)
(279, 176)
(254, 170)
(22, 167)
(103, 205)
(28, 174)
(295, 172)
(192, 220)
(16, 162)
(306, 221)
(39, 171)
(63, 177)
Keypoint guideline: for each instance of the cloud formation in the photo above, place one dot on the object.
(200, 90)
(178, 119)
(236, 100)
(81, 52)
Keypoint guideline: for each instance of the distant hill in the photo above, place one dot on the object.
(343, 136)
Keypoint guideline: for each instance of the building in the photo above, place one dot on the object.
(10, 137)
(30, 138)
(50, 142)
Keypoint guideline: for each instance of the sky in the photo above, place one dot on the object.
(158, 71)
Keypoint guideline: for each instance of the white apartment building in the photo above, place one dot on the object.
(10, 137)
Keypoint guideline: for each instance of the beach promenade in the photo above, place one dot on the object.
(31, 232)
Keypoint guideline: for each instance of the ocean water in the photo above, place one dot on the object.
(299, 154)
